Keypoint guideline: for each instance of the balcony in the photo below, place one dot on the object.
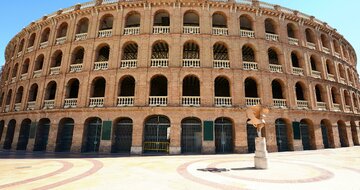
(23, 76)
(43, 44)
(157, 100)
(247, 33)
(337, 55)
(221, 64)
(13, 79)
(252, 101)
(76, 68)
(220, 31)
(70, 103)
(336, 107)
(125, 101)
(331, 77)
(31, 105)
(96, 102)
(54, 70)
(326, 50)
(161, 29)
(347, 108)
(49, 104)
(159, 62)
(279, 103)
(105, 33)
(276, 68)
(272, 37)
(321, 105)
(132, 31)
(101, 65)
(191, 62)
(19, 54)
(298, 71)
(30, 49)
(250, 65)
(302, 104)
(128, 64)
(81, 36)
(293, 41)
(342, 80)
(316, 74)
(60, 41)
(223, 101)
(7, 108)
(191, 30)
(190, 100)
(310, 45)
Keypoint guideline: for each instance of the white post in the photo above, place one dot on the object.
(260, 158)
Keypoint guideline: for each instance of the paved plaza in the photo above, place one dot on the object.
(320, 169)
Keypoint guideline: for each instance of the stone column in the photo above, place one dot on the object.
(240, 143)
(77, 137)
(270, 135)
(52, 137)
(335, 130)
(137, 138)
(349, 134)
(105, 146)
(16, 136)
(318, 136)
(175, 138)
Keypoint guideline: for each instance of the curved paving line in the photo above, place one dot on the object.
(97, 165)
(65, 167)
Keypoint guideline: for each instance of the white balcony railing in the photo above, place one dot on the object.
(125, 101)
(31, 105)
(191, 62)
(223, 101)
(222, 64)
(252, 101)
(293, 41)
(247, 33)
(23, 76)
(96, 102)
(190, 100)
(13, 79)
(132, 31)
(105, 33)
(316, 74)
(302, 104)
(310, 45)
(49, 104)
(30, 49)
(298, 71)
(191, 30)
(279, 103)
(128, 63)
(250, 65)
(159, 62)
(161, 29)
(347, 108)
(220, 31)
(326, 50)
(37, 73)
(275, 68)
(342, 80)
(54, 70)
(60, 41)
(101, 65)
(158, 100)
(272, 37)
(81, 36)
(17, 107)
(7, 108)
(44, 44)
(336, 107)
(331, 77)
(70, 103)
(19, 54)
(321, 105)
(337, 55)
(76, 68)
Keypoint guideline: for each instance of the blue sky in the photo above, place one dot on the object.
(341, 15)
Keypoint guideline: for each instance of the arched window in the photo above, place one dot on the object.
(98, 87)
(25, 67)
(160, 54)
(325, 43)
(277, 89)
(319, 94)
(310, 39)
(62, 30)
(246, 23)
(102, 57)
(292, 31)
(295, 60)
(300, 95)
(129, 55)
(15, 70)
(132, 23)
(50, 92)
(251, 90)
(219, 24)
(273, 57)
(33, 93)
(72, 89)
(19, 95)
(222, 87)
(220, 56)
(126, 91)
(8, 97)
(314, 63)
(161, 23)
(21, 45)
(191, 19)
(31, 41)
(106, 22)
(248, 54)
(78, 56)
(337, 48)
(191, 86)
(158, 86)
(39, 63)
(270, 26)
(191, 55)
(82, 26)
(45, 36)
(56, 59)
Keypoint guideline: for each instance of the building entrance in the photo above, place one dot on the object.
(157, 135)
(191, 135)
(24, 135)
(223, 136)
(123, 136)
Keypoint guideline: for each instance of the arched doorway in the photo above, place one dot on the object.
(191, 135)
(157, 134)
(9, 134)
(24, 134)
(327, 134)
(223, 135)
(91, 138)
(251, 135)
(64, 135)
(354, 133)
(344, 141)
(281, 135)
(1, 124)
(305, 135)
(122, 136)
(42, 135)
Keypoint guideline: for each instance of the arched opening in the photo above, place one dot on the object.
(315, 65)
(191, 51)
(129, 55)
(310, 36)
(132, 20)
(8, 97)
(91, 135)
(223, 135)
(56, 59)
(25, 67)
(270, 26)
(344, 141)
(19, 95)
(158, 86)
(337, 48)
(277, 89)
(327, 134)
(330, 68)
(82, 26)
(319, 93)
(191, 135)
(220, 56)
(341, 72)
(106, 22)
(219, 20)
(42, 134)
(122, 135)
(299, 90)
(282, 133)
(307, 134)
(162, 18)
(354, 133)
(191, 86)
(127, 86)
(295, 61)
(160, 50)
(248, 54)
(21, 45)
(9, 134)
(325, 41)
(39, 63)
(33, 93)
(103, 53)
(31, 40)
(24, 134)
(273, 57)
(15, 70)
(64, 135)
(2, 124)
(72, 88)
(98, 87)
(356, 104)
(292, 31)
(50, 93)
(78, 56)
(347, 97)
(62, 30)
(156, 134)
(191, 19)
(246, 23)
(2, 98)
(251, 90)
(222, 87)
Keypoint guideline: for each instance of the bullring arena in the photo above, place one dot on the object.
(176, 77)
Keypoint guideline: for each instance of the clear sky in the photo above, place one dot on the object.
(342, 15)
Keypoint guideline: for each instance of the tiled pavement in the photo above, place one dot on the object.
(321, 169)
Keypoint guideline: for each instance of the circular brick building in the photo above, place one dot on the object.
(176, 77)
